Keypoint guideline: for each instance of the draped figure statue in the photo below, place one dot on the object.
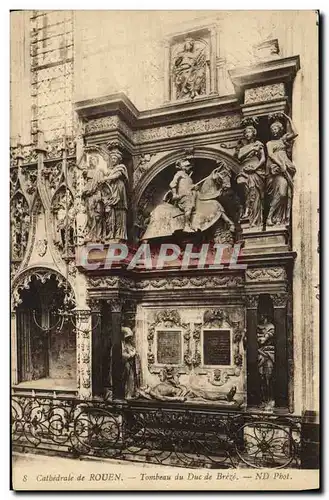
(251, 177)
(280, 170)
(105, 196)
(266, 359)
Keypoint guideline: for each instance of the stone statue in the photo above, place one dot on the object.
(19, 225)
(169, 389)
(251, 177)
(210, 395)
(131, 369)
(115, 198)
(266, 358)
(280, 170)
(208, 390)
(191, 207)
(105, 196)
(92, 196)
(183, 192)
(64, 219)
(189, 71)
(212, 188)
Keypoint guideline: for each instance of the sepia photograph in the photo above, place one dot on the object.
(164, 250)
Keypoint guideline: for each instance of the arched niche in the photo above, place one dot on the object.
(155, 183)
(266, 337)
(41, 274)
(206, 153)
(45, 344)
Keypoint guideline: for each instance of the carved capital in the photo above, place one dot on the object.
(116, 304)
(94, 304)
(251, 301)
(279, 299)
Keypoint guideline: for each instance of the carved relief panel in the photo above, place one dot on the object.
(191, 64)
(193, 354)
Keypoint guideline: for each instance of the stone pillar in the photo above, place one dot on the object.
(281, 350)
(84, 354)
(14, 349)
(97, 348)
(253, 383)
(116, 357)
(167, 75)
(305, 220)
(213, 57)
(224, 86)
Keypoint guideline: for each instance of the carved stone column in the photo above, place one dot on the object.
(253, 382)
(281, 349)
(14, 347)
(222, 77)
(41, 150)
(84, 354)
(213, 56)
(167, 77)
(97, 347)
(116, 357)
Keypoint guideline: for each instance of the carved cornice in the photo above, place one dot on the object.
(264, 93)
(191, 127)
(164, 132)
(120, 106)
(111, 282)
(167, 283)
(115, 104)
(266, 274)
(278, 70)
(172, 283)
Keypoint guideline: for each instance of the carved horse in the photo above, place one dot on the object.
(167, 218)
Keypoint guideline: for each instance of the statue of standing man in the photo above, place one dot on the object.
(131, 368)
(105, 195)
(266, 359)
(115, 198)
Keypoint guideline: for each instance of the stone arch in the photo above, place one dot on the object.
(22, 282)
(205, 152)
(40, 332)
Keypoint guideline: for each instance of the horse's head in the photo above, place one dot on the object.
(222, 175)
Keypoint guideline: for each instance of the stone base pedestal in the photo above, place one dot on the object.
(257, 241)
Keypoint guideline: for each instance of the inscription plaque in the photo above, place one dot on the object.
(216, 347)
(169, 347)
